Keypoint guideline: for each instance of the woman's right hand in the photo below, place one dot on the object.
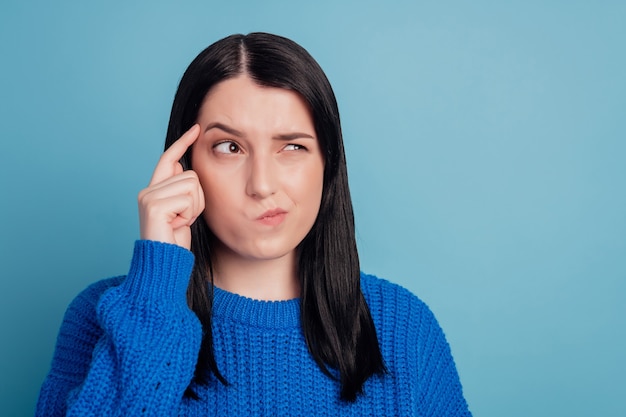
(174, 198)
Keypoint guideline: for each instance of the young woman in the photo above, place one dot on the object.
(244, 295)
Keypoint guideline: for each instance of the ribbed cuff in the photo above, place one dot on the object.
(159, 271)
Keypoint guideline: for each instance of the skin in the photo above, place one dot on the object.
(173, 199)
(254, 150)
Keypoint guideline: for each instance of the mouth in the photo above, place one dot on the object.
(272, 217)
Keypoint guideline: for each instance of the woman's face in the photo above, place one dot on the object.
(260, 166)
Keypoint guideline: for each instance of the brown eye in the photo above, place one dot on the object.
(227, 147)
(294, 147)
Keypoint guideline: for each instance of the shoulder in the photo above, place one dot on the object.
(80, 316)
(381, 293)
(414, 346)
(88, 298)
(393, 306)
(80, 331)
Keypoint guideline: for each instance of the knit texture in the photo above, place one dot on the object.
(128, 347)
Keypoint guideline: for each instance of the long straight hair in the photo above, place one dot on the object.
(336, 321)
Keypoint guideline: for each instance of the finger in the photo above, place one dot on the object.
(197, 193)
(184, 177)
(169, 164)
(199, 201)
(178, 168)
(185, 183)
(201, 197)
(182, 212)
(167, 215)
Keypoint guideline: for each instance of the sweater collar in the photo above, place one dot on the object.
(256, 313)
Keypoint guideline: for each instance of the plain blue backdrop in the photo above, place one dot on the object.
(486, 146)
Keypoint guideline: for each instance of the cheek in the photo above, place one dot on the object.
(211, 181)
(306, 186)
(222, 207)
(218, 190)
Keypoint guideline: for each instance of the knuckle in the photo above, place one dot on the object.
(191, 174)
(151, 210)
(141, 196)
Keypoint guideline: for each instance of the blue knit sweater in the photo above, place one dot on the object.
(128, 347)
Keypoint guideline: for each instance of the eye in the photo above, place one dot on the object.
(294, 147)
(227, 147)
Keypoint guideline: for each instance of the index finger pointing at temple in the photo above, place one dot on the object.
(168, 163)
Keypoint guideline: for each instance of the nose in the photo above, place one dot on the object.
(262, 177)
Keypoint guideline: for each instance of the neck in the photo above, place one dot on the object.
(268, 279)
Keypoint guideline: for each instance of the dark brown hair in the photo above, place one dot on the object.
(335, 318)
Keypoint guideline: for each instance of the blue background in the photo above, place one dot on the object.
(486, 146)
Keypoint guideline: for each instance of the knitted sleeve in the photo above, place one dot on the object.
(440, 391)
(132, 351)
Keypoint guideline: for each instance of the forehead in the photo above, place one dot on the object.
(242, 101)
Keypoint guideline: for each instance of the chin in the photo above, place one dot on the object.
(268, 255)
(255, 249)
(266, 251)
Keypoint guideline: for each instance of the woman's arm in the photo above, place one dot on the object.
(440, 390)
(134, 350)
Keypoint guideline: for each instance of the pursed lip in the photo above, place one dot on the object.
(271, 213)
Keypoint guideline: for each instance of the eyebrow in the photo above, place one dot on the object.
(225, 128)
(239, 134)
(292, 136)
